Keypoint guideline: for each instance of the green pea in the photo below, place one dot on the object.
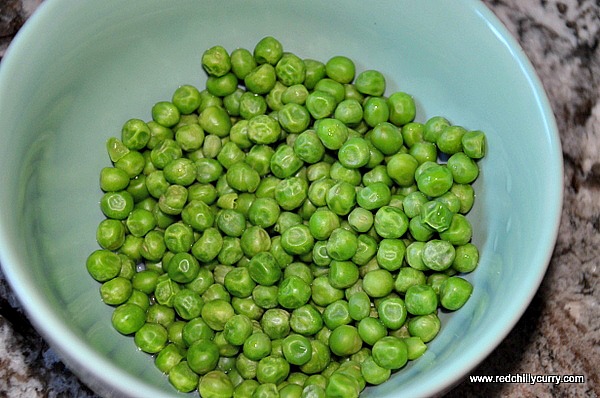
(332, 133)
(426, 327)
(293, 292)
(308, 147)
(295, 94)
(264, 269)
(165, 113)
(371, 330)
(365, 250)
(110, 234)
(261, 79)
(117, 205)
(341, 198)
(290, 69)
(231, 251)
(454, 292)
(342, 244)
(421, 299)
(378, 283)
(315, 71)
(354, 153)
(103, 265)
(291, 192)
(128, 318)
(390, 254)
(474, 144)
(323, 293)
(297, 240)
(320, 104)
(464, 170)
(401, 168)
(116, 291)
(297, 349)
(319, 360)
(263, 129)
(370, 82)
(390, 222)
(237, 329)
(433, 128)
(275, 322)
(438, 255)
(390, 353)
(215, 384)
(466, 259)
(151, 338)
(284, 162)
(349, 112)
(216, 61)
(375, 111)
(345, 340)
(268, 50)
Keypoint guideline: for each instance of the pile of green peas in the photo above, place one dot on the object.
(288, 231)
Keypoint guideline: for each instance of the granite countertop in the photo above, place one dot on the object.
(559, 332)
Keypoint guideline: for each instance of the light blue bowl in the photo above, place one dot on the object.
(79, 69)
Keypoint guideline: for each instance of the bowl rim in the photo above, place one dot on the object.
(78, 356)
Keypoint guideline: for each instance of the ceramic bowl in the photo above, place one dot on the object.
(79, 69)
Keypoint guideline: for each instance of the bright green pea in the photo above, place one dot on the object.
(437, 215)
(263, 129)
(172, 201)
(332, 133)
(474, 144)
(242, 62)
(231, 251)
(113, 179)
(275, 322)
(128, 318)
(342, 244)
(424, 151)
(467, 258)
(373, 373)
(183, 267)
(378, 283)
(103, 265)
(320, 104)
(165, 113)
(354, 153)
(151, 338)
(421, 299)
(402, 108)
(341, 198)
(186, 98)
(339, 172)
(435, 180)
(179, 237)
(454, 292)
(237, 329)
(359, 305)
(390, 254)
(261, 79)
(340, 69)
(375, 111)
(295, 94)
(110, 234)
(464, 169)
(412, 133)
(293, 292)
(349, 112)
(315, 71)
(320, 358)
(181, 171)
(323, 293)
(117, 205)
(392, 312)
(297, 240)
(322, 223)
(284, 162)
(182, 377)
(386, 137)
(336, 314)
(401, 168)
(390, 222)
(257, 346)
(215, 384)
(426, 327)
(290, 69)
(459, 231)
(297, 349)
(373, 196)
(345, 340)
(264, 269)
(370, 82)
(365, 250)
(215, 120)
(390, 353)
(407, 277)
(360, 219)
(116, 291)
(450, 139)
(291, 192)
(294, 118)
(268, 50)
(371, 330)
(308, 147)
(433, 128)
(135, 134)
(216, 313)
(216, 61)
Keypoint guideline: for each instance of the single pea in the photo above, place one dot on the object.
(186, 98)
(359, 305)
(390, 353)
(216, 313)
(268, 50)
(370, 82)
(426, 327)
(390, 254)
(321, 357)
(215, 120)
(117, 205)
(435, 180)
(263, 129)
(390, 222)
(160, 314)
(322, 223)
(261, 79)
(340, 69)
(257, 346)
(407, 277)
(179, 237)
(332, 87)
(433, 128)
(291, 192)
(378, 283)
(251, 105)
(165, 291)
(242, 62)
(474, 144)
(165, 113)
(293, 292)
(264, 269)
(297, 240)
(373, 196)
(320, 104)
(332, 133)
(416, 347)
(237, 329)
(323, 293)
(208, 245)
(345, 340)
(464, 169)
(215, 384)
(315, 71)
(419, 230)
(116, 291)
(295, 94)
(401, 168)
(195, 330)
(337, 314)
(275, 322)
(128, 318)
(188, 304)
(454, 292)
(424, 151)
(222, 86)
(216, 61)
(231, 251)
(467, 258)
(341, 198)
(365, 250)
(402, 108)
(297, 349)
(386, 137)
(342, 244)
(375, 111)
(373, 373)
(113, 179)
(166, 151)
(360, 219)
(308, 147)
(392, 312)
(290, 69)
(294, 118)
(103, 265)
(421, 299)
(183, 378)
(135, 134)
(110, 234)
(284, 162)
(151, 338)
(349, 112)
(339, 172)
(354, 153)
(450, 139)
(459, 232)
(173, 200)
(231, 222)
(437, 215)
(438, 254)
(371, 330)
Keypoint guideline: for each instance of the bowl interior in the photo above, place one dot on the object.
(79, 69)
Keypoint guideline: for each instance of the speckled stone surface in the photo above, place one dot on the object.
(559, 332)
